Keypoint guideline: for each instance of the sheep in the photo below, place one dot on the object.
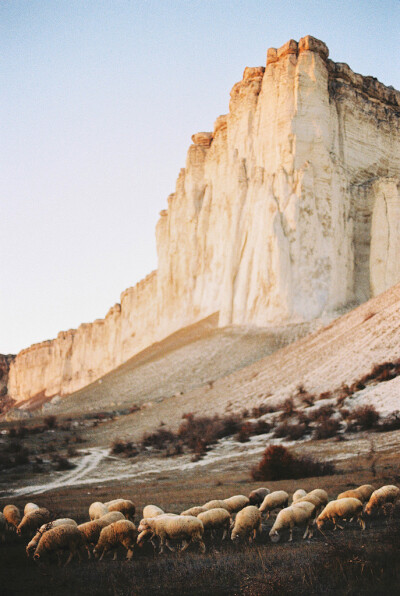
(215, 504)
(13, 516)
(3, 527)
(298, 514)
(91, 530)
(194, 511)
(247, 524)
(124, 506)
(316, 501)
(299, 494)
(121, 532)
(97, 509)
(186, 528)
(236, 503)
(257, 496)
(321, 494)
(276, 500)
(362, 493)
(152, 511)
(60, 538)
(33, 520)
(65, 521)
(215, 519)
(30, 507)
(386, 494)
(341, 509)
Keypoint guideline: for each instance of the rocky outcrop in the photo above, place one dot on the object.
(288, 210)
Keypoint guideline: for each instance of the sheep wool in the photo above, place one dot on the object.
(194, 511)
(341, 509)
(122, 532)
(33, 520)
(299, 514)
(97, 509)
(236, 503)
(215, 504)
(12, 515)
(186, 528)
(299, 494)
(257, 496)
(152, 511)
(247, 524)
(386, 494)
(30, 507)
(65, 521)
(276, 500)
(64, 537)
(124, 506)
(215, 519)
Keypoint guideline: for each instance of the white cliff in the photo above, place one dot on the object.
(288, 210)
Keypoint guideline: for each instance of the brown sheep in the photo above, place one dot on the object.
(124, 506)
(257, 496)
(247, 524)
(58, 539)
(13, 516)
(33, 520)
(341, 509)
(385, 494)
(186, 528)
(65, 521)
(121, 532)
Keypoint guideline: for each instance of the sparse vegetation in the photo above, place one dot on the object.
(278, 463)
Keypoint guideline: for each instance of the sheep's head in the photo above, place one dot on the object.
(144, 535)
(36, 557)
(320, 523)
(144, 525)
(275, 537)
(369, 509)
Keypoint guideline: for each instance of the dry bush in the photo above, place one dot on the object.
(249, 429)
(262, 409)
(293, 431)
(50, 422)
(363, 418)
(391, 422)
(124, 447)
(62, 463)
(158, 439)
(207, 430)
(321, 413)
(326, 428)
(288, 409)
(278, 463)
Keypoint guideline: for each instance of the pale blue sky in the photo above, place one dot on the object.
(99, 100)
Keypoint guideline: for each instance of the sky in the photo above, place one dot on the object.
(98, 102)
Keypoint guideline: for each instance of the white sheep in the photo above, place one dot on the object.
(215, 503)
(30, 507)
(247, 524)
(257, 496)
(236, 503)
(216, 519)
(124, 506)
(64, 521)
(276, 500)
(58, 539)
(91, 530)
(315, 500)
(343, 509)
(122, 532)
(299, 494)
(33, 520)
(386, 494)
(362, 493)
(152, 511)
(3, 527)
(13, 516)
(298, 514)
(97, 509)
(186, 528)
(194, 511)
(321, 494)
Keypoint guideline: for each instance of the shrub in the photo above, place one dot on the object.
(288, 408)
(322, 413)
(364, 417)
(391, 422)
(278, 463)
(50, 421)
(158, 439)
(124, 447)
(249, 429)
(326, 428)
(62, 463)
(293, 432)
(262, 409)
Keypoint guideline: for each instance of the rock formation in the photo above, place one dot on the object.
(288, 210)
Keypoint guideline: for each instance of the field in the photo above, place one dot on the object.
(348, 562)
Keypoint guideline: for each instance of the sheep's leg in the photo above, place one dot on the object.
(115, 556)
(186, 544)
(291, 535)
(224, 535)
(129, 554)
(171, 548)
(71, 554)
(306, 532)
(361, 522)
(102, 554)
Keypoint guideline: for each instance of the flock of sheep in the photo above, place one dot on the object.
(111, 524)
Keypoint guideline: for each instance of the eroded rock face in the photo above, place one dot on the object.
(289, 209)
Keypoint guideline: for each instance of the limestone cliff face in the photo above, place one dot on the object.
(289, 209)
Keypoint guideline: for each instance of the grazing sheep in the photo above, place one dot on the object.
(247, 524)
(299, 494)
(366, 491)
(216, 519)
(33, 520)
(121, 532)
(91, 530)
(215, 504)
(276, 500)
(30, 507)
(315, 500)
(3, 527)
(321, 494)
(124, 506)
(386, 494)
(236, 503)
(97, 509)
(13, 516)
(194, 511)
(341, 509)
(186, 528)
(60, 538)
(152, 511)
(299, 514)
(65, 521)
(257, 496)
(362, 493)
